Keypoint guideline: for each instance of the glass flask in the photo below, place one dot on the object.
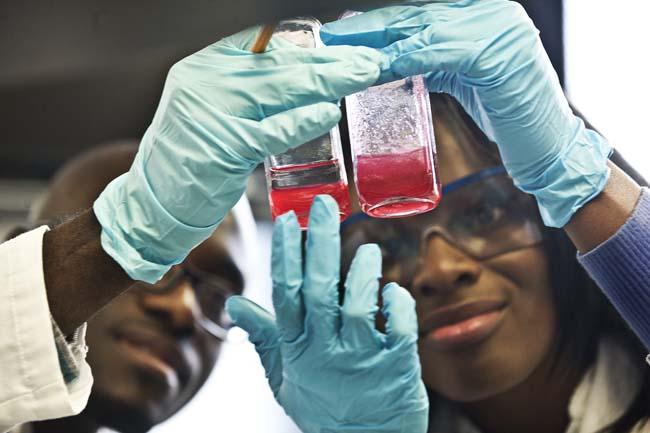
(295, 177)
(393, 148)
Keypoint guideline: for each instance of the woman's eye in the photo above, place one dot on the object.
(483, 217)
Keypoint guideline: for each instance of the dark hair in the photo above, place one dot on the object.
(584, 314)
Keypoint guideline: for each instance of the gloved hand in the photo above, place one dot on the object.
(222, 111)
(328, 366)
(487, 54)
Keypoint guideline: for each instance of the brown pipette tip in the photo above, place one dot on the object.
(263, 39)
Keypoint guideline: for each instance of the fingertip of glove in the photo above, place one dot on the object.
(344, 30)
(370, 67)
(390, 287)
(370, 251)
(330, 113)
(287, 220)
(393, 291)
(399, 309)
(286, 226)
(360, 61)
(234, 306)
(329, 32)
(326, 35)
(324, 205)
(245, 313)
(366, 263)
(324, 215)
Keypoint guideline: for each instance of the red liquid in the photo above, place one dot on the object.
(397, 185)
(299, 199)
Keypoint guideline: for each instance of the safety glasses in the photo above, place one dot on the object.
(211, 293)
(483, 214)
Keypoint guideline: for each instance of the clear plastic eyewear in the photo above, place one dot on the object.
(211, 293)
(483, 214)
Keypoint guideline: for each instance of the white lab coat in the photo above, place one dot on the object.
(32, 385)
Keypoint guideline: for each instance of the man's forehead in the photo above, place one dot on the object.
(214, 256)
(213, 248)
(81, 180)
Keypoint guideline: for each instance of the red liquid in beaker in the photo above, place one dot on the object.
(300, 198)
(397, 185)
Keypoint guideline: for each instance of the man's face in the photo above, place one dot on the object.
(148, 351)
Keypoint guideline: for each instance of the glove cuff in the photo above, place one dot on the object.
(411, 422)
(138, 233)
(574, 178)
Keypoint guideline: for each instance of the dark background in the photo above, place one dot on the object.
(76, 73)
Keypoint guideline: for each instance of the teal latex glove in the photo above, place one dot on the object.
(488, 55)
(222, 111)
(327, 364)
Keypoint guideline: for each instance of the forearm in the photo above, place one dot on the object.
(613, 233)
(601, 218)
(621, 268)
(80, 278)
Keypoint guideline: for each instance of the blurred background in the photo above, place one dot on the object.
(81, 73)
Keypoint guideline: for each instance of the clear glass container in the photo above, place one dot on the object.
(295, 177)
(393, 148)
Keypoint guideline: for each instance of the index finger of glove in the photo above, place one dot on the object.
(361, 297)
(288, 86)
(377, 28)
(401, 319)
(322, 267)
(286, 272)
(414, 40)
(255, 320)
(263, 333)
(291, 128)
(431, 51)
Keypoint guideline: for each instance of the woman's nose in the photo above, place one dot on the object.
(443, 268)
(177, 307)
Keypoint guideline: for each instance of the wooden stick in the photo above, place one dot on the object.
(263, 38)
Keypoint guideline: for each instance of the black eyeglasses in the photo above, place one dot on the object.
(211, 292)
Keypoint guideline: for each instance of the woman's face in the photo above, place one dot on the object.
(485, 325)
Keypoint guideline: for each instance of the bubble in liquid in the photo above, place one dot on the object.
(384, 117)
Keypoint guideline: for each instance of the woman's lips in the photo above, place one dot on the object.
(462, 325)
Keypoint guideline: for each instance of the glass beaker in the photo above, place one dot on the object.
(393, 148)
(295, 177)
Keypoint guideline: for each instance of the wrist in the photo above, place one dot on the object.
(573, 179)
(139, 233)
(80, 278)
(603, 217)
